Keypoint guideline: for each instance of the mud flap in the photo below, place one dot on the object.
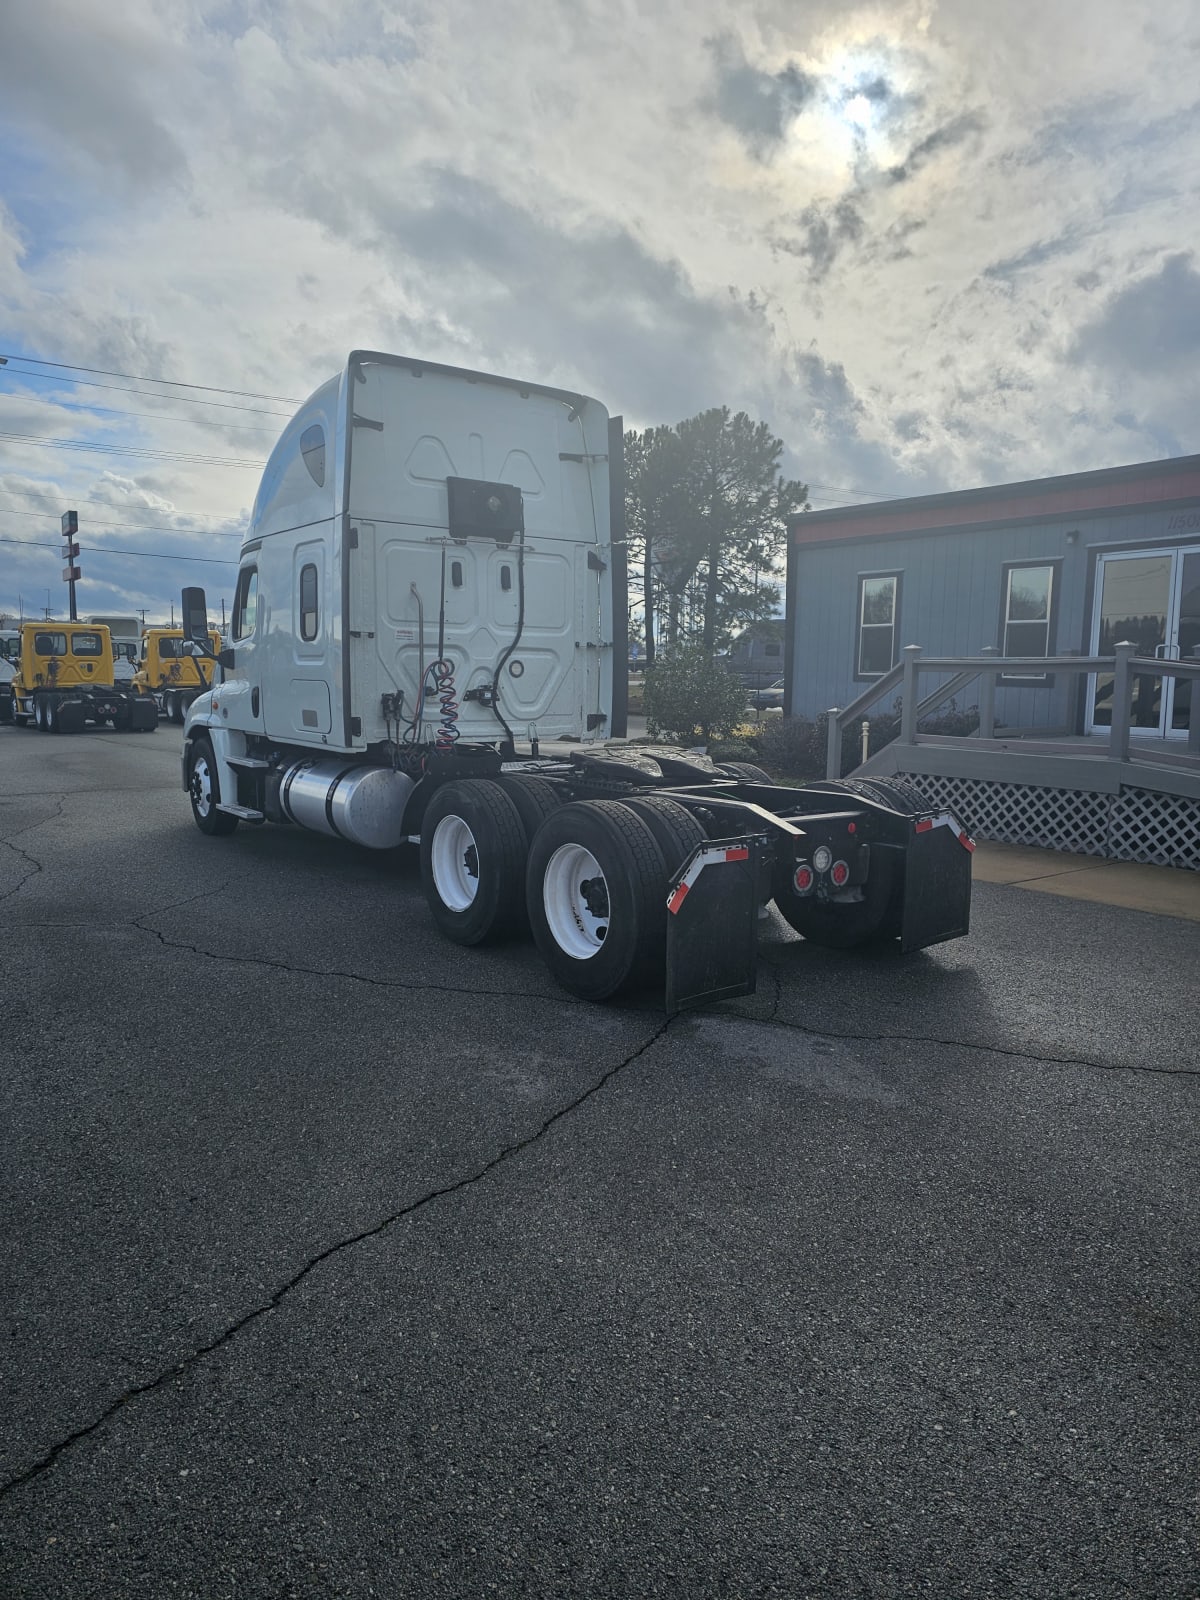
(712, 924)
(937, 882)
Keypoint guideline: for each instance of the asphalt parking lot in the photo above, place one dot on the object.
(340, 1261)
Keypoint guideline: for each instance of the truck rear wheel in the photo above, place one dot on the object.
(473, 849)
(747, 771)
(596, 891)
(50, 717)
(676, 831)
(204, 790)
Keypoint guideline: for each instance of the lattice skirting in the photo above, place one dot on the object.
(1135, 825)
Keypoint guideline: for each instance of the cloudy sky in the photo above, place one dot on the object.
(933, 245)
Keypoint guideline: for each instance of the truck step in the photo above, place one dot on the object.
(248, 763)
(246, 813)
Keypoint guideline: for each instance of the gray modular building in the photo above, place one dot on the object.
(1055, 566)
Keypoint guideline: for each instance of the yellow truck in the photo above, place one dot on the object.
(64, 682)
(172, 678)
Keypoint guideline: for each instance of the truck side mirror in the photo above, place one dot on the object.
(225, 657)
(195, 617)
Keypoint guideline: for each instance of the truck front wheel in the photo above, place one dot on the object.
(204, 791)
(473, 849)
(596, 890)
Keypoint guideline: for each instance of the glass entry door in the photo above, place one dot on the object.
(1151, 598)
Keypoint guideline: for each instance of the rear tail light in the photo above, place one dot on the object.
(803, 879)
(839, 874)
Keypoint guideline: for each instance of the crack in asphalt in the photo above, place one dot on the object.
(340, 972)
(507, 1153)
(773, 1020)
(60, 801)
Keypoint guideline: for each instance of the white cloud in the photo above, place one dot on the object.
(914, 237)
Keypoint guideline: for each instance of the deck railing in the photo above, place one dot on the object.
(1124, 664)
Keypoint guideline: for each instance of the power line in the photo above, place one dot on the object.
(116, 388)
(161, 416)
(140, 377)
(122, 450)
(106, 550)
(59, 496)
(130, 527)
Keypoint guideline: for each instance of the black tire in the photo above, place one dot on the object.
(178, 710)
(745, 770)
(204, 790)
(535, 800)
(841, 926)
(676, 831)
(6, 706)
(39, 712)
(900, 795)
(122, 719)
(473, 851)
(51, 720)
(604, 934)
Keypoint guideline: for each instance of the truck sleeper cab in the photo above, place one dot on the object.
(432, 587)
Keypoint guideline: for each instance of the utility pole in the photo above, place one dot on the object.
(70, 550)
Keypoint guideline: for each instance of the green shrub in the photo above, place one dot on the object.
(795, 747)
(791, 746)
(687, 697)
(732, 750)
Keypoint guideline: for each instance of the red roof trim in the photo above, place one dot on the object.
(1148, 484)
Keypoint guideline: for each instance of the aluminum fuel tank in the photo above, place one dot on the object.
(362, 804)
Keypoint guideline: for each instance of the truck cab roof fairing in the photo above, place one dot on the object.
(301, 482)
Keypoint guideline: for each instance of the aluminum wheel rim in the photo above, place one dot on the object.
(457, 883)
(201, 787)
(577, 930)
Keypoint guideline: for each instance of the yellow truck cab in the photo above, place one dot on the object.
(172, 677)
(64, 681)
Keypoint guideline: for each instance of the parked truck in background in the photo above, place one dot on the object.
(428, 646)
(173, 677)
(64, 682)
(10, 650)
(125, 632)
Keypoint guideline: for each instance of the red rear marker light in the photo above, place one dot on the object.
(802, 879)
(839, 873)
(852, 827)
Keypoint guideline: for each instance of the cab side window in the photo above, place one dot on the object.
(309, 613)
(245, 603)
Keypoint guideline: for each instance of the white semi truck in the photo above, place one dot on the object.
(428, 647)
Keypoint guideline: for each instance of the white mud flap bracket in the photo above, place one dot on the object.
(712, 924)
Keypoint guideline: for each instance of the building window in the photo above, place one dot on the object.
(878, 605)
(1026, 622)
(308, 603)
(245, 603)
